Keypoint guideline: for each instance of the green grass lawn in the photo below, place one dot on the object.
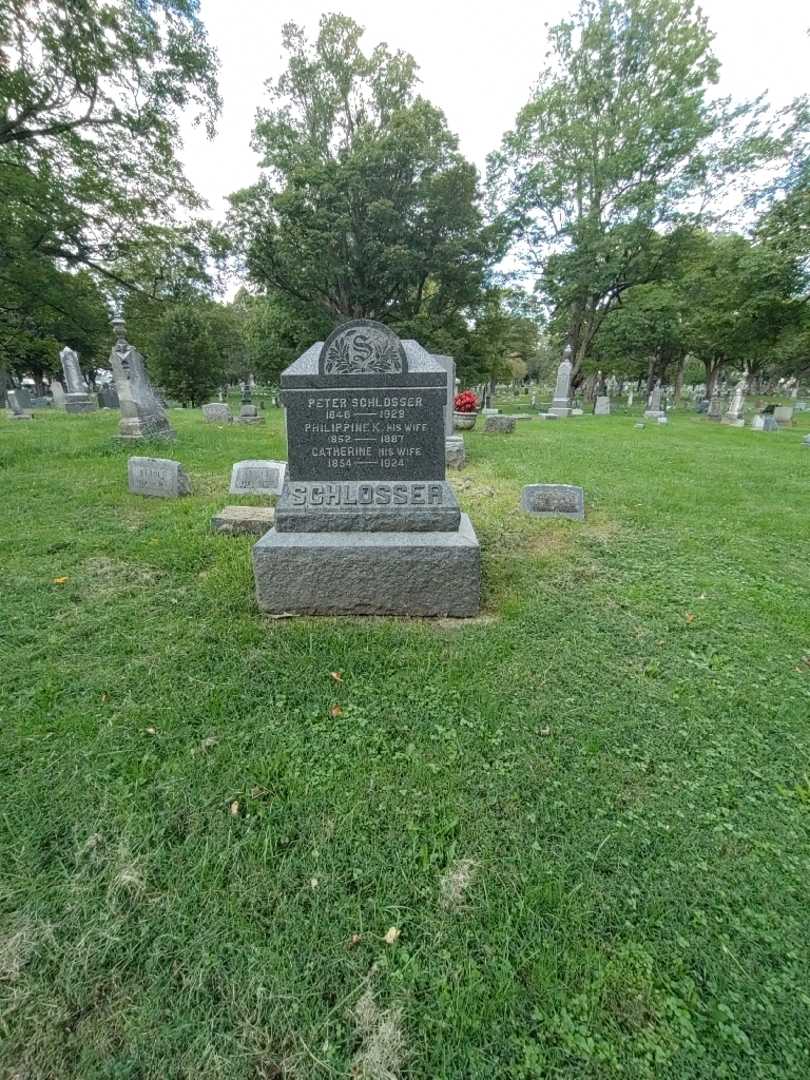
(586, 813)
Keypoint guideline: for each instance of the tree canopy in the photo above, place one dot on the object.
(615, 138)
(91, 96)
(366, 208)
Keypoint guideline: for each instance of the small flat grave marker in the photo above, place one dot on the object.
(257, 477)
(554, 500)
(159, 477)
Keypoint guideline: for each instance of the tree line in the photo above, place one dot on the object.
(604, 220)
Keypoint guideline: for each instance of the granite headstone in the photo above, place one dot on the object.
(366, 522)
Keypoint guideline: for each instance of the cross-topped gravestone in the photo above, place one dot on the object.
(366, 523)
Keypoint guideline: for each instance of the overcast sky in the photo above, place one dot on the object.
(478, 60)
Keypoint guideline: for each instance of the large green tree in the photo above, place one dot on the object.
(739, 299)
(365, 207)
(616, 136)
(90, 98)
(786, 220)
(193, 348)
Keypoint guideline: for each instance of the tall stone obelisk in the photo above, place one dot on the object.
(561, 405)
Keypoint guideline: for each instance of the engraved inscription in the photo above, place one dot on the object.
(149, 477)
(367, 435)
(376, 494)
(254, 478)
(361, 348)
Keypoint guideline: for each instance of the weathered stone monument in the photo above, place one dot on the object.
(654, 410)
(15, 409)
(553, 500)
(561, 405)
(57, 394)
(77, 397)
(715, 411)
(248, 413)
(257, 477)
(734, 416)
(783, 415)
(602, 406)
(217, 412)
(366, 523)
(500, 425)
(142, 415)
(160, 477)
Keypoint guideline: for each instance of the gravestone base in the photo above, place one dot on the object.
(238, 520)
(733, 421)
(80, 403)
(249, 420)
(19, 416)
(136, 428)
(655, 414)
(370, 573)
(559, 410)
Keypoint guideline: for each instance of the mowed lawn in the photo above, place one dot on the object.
(569, 839)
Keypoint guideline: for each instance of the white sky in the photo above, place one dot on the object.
(478, 61)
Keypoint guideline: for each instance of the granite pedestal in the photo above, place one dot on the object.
(80, 403)
(369, 573)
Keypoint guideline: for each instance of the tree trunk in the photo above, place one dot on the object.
(712, 374)
(679, 380)
(650, 376)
